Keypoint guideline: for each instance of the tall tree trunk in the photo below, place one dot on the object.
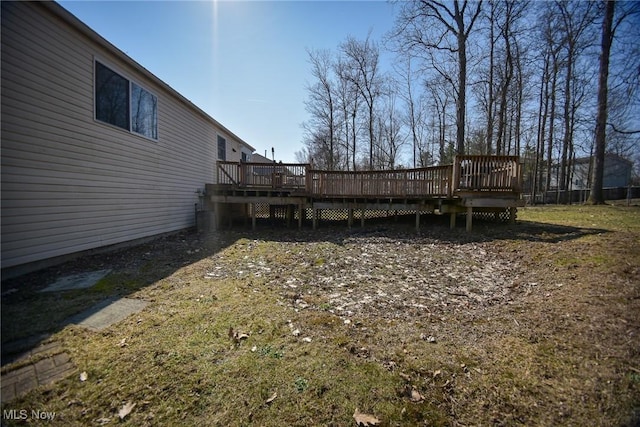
(567, 118)
(520, 100)
(508, 74)
(596, 196)
(461, 101)
(542, 121)
(552, 113)
(543, 134)
(490, 95)
(354, 139)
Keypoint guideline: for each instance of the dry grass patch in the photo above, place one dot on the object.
(535, 324)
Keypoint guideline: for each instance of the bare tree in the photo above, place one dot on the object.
(440, 104)
(575, 19)
(321, 105)
(362, 61)
(552, 41)
(349, 101)
(414, 113)
(490, 83)
(596, 196)
(391, 138)
(433, 26)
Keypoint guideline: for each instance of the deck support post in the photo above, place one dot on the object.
(362, 217)
(316, 212)
(452, 220)
(253, 216)
(218, 217)
(512, 215)
(418, 220)
(300, 213)
(350, 218)
(289, 215)
(469, 218)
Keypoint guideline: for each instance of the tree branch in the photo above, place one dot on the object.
(623, 132)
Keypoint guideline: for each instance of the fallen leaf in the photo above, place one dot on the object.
(405, 377)
(84, 376)
(237, 336)
(306, 339)
(427, 338)
(437, 373)
(126, 410)
(365, 419)
(122, 343)
(272, 398)
(416, 396)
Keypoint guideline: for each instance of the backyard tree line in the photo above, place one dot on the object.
(548, 81)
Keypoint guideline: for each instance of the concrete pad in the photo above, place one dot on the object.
(77, 281)
(108, 312)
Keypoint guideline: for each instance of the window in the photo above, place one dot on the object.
(244, 157)
(144, 112)
(222, 148)
(123, 103)
(112, 97)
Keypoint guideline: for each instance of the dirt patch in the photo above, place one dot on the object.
(386, 277)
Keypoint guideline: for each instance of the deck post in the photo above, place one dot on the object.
(218, 209)
(512, 215)
(289, 215)
(452, 220)
(315, 217)
(362, 217)
(300, 213)
(418, 220)
(253, 216)
(469, 218)
(350, 217)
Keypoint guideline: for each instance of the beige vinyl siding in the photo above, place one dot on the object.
(71, 183)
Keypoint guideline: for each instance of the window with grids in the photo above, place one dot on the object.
(222, 148)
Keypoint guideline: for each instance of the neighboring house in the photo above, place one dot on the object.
(96, 150)
(257, 158)
(617, 172)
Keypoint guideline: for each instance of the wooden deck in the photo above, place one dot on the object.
(471, 184)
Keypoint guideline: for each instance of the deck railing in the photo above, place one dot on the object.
(487, 173)
(497, 174)
(433, 181)
(263, 175)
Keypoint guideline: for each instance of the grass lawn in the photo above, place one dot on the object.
(536, 323)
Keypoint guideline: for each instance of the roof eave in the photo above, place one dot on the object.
(83, 28)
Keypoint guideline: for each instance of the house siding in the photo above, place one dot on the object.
(71, 183)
